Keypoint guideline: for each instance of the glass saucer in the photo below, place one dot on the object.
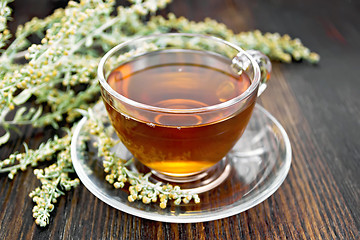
(258, 164)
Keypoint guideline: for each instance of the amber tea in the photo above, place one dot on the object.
(186, 143)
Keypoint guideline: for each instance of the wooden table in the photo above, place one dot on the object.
(319, 106)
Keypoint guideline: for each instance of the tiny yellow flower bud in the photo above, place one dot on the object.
(146, 200)
(42, 223)
(185, 200)
(138, 187)
(130, 198)
(163, 198)
(163, 205)
(177, 201)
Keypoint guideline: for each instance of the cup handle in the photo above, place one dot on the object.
(265, 68)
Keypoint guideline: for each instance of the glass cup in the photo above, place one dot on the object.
(175, 100)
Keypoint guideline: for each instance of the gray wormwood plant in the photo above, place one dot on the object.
(57, 83)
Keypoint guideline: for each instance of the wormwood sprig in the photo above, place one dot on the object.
(66, 55)
(54, 180)
(46, 151)
(5, 12)
(45, 67)
(117, 173)
(277, 47)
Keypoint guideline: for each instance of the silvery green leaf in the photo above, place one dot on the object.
(82, 112)
(22, 97)
(26, 147)
(89, 42)
(30, 112)
(19, 113)
(54, 124)
(4, 138)
(37, 114)
(147, 175)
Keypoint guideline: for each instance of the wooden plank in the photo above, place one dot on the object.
(318, 106)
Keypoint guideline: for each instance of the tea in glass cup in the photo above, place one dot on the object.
(180, 102)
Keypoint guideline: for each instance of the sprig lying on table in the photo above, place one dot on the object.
(54, 180)
(60, 74)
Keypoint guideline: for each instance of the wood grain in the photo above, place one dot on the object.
(319, 106)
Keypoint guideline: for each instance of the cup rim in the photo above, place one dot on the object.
(228, 103)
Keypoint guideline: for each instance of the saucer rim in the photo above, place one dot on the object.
(186, 218)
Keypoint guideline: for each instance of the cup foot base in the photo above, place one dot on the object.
(197, 183)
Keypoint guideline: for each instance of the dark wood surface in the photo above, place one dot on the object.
(319, 106)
